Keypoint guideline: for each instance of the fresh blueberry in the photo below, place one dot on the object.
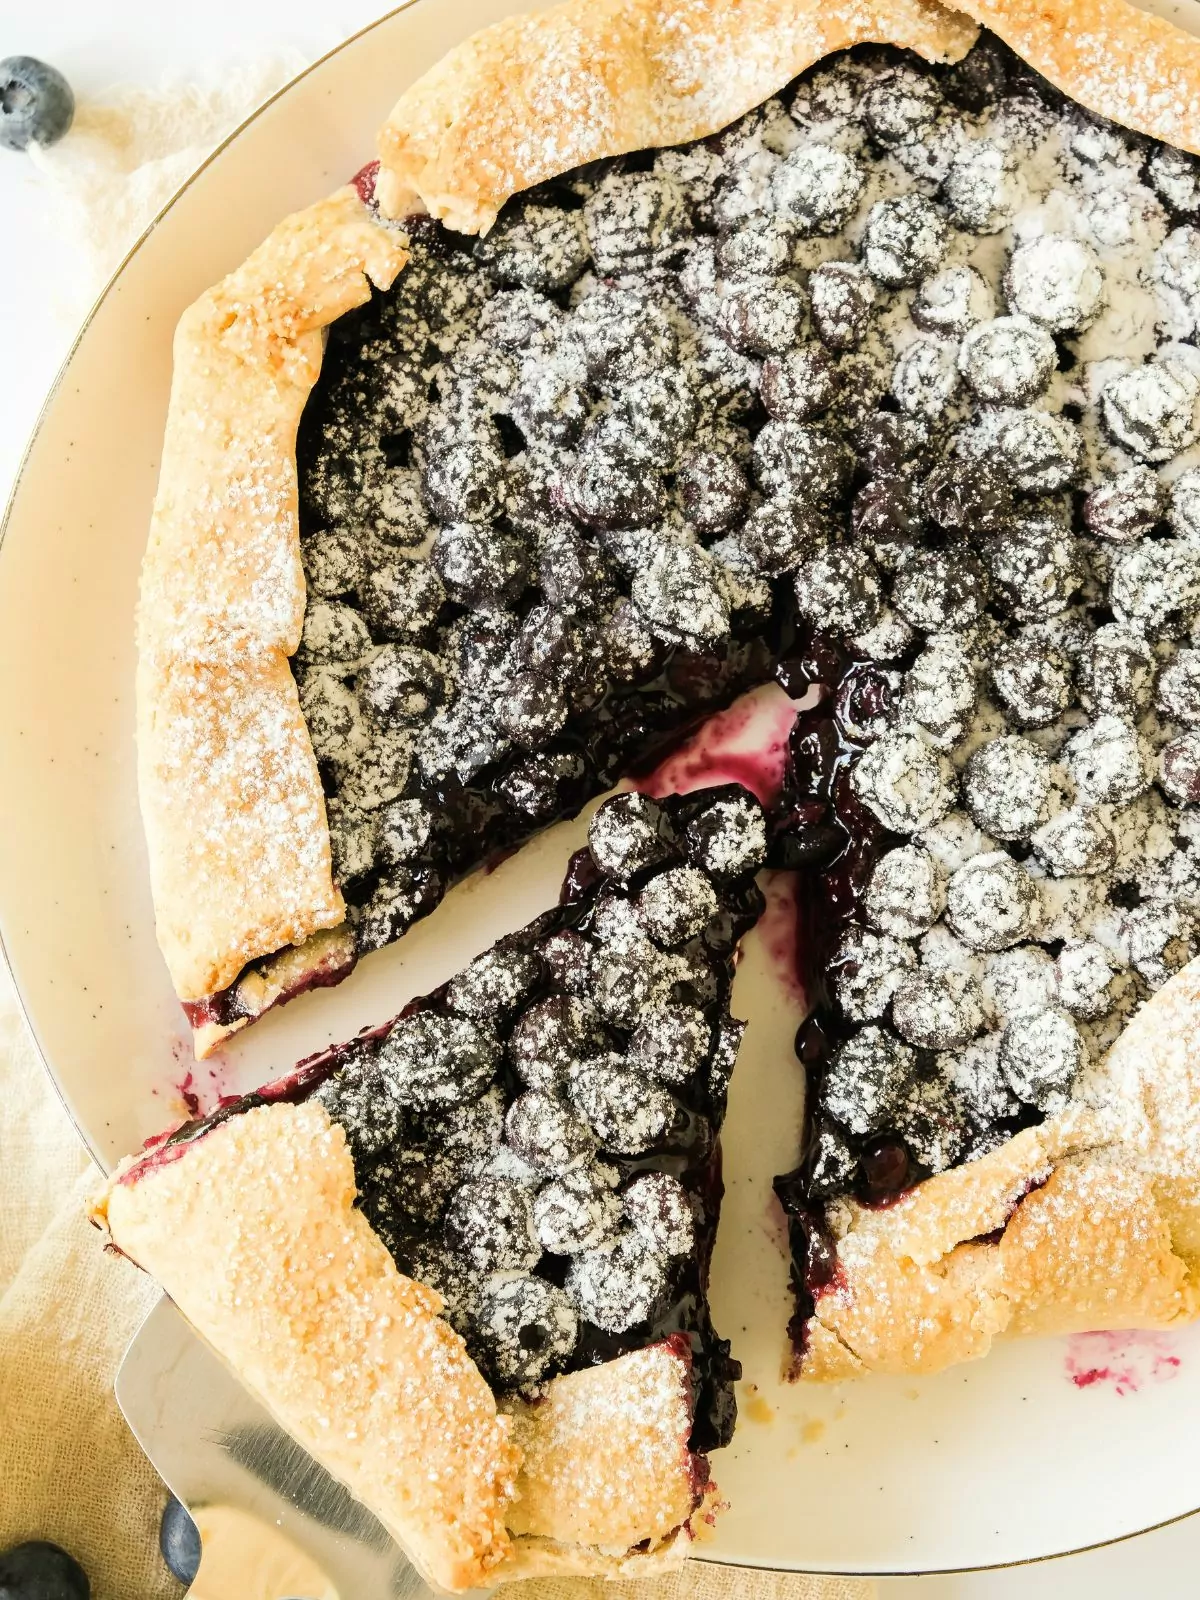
(36, 103)
(179, 1541)
(41, 1571)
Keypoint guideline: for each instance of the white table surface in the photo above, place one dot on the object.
(140, 41)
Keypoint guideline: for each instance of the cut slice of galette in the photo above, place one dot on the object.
(464, 1257)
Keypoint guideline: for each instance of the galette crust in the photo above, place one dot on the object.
(253, 1232)
(1090, 1221)
(231, 797)
(536, 95)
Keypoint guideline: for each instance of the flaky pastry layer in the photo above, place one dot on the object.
(230, 794)
(1089, 1221)
(252, 1230)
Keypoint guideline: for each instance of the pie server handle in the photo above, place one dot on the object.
(212, 1442)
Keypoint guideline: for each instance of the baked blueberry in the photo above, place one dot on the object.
(578, 1211)
(619, 1285)
(865, 1080)
(818, 187)
(713, 491)
(1108, 761)
(904, 782)
(1041, 1055)
(1006, 784)
(1040, 451)
(1150, 409)
(524, 1327)
(546, 1133)
(983, 187)
(634, 219)
(534, 246)
(430, 1060)
(842, 297)
(495, 983)
(1032, 681)
(971, 498)
(903, 241)
(1008, 360)
(1155, 586)
(729, 837)
(335, 564)
(675, 905)
(940, 588)
(992, 902)
(1117, 671)
(760, 314)
(489, 1224)
(840, 589)
(657, 1206)
(681, 595)
(802, 461)
(1037, 566)
(1125, 507)
(628, 834)
(401, 600)
(670, 1043)
(401, 683)
(800, 384)
(899, 105)
(867, 968)
(628, 1114)
(1055, 280)
(952, 301)
(606, 487)
(925, 378)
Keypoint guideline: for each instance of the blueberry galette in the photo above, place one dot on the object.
(531, 1152)
(845, 346)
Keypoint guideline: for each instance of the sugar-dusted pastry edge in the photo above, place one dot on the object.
(230, 794)
(251, 1229)
(1091, 1220)
(536, 95)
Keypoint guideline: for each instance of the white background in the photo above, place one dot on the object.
(141, 41)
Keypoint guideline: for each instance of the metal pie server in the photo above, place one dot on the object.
(212, 1442)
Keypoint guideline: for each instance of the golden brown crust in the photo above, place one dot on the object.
(231, 797)
(1110, 56)
(1090, 1221)
(537, 95)
(253, 1232)
(605, 1458)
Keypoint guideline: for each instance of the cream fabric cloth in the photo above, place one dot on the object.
(70, 1470)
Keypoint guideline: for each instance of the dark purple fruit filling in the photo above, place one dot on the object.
(538, 1139)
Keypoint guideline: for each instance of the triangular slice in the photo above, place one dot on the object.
(464, 1257)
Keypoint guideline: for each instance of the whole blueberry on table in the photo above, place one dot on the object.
(179, 1541)
(36, 103)
(41, 1571)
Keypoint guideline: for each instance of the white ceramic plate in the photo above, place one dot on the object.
(1005, 1461)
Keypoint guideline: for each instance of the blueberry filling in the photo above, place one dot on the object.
(839, 394)
(538, 1139)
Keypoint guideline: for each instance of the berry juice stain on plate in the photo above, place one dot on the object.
(1123, 1361)
(778, 932)
(747, 743)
